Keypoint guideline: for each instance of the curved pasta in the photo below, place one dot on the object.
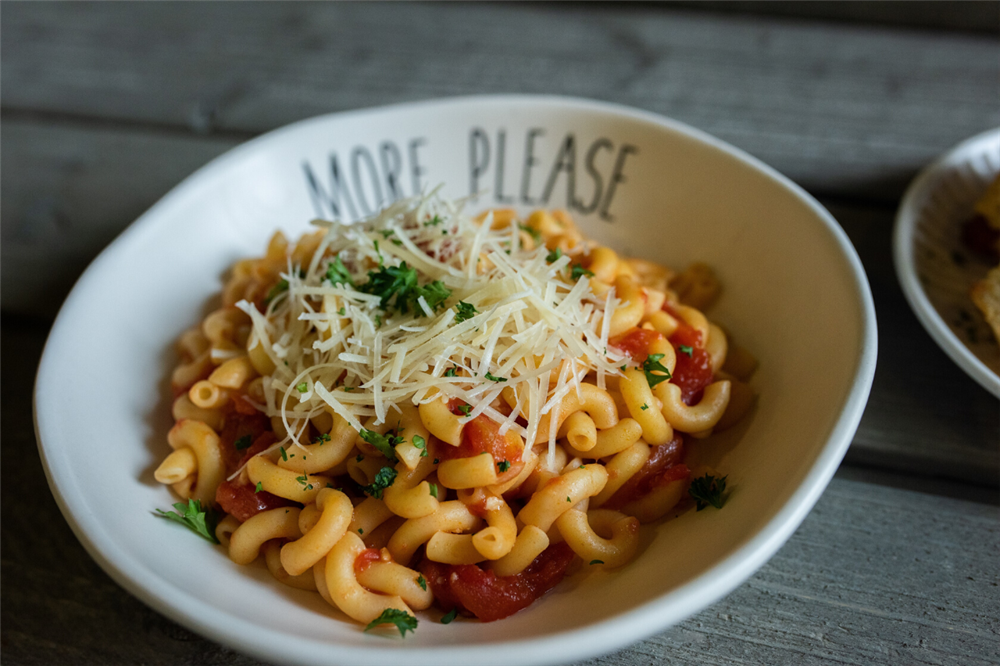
(203, 441)
(578, 529)
(346, 592)
(337, 511)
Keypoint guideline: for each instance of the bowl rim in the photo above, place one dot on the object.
(907, 218)
(579, 643)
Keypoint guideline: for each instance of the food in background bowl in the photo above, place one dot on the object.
(430, 408)
(981, 235)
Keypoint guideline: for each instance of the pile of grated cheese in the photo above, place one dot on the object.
(335, 347)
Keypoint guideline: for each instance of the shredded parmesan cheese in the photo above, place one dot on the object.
(362, 353)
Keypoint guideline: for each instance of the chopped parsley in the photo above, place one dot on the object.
(434, 490)
(553, 255)
(568, 499)
(644, 407)
(276, 291)
(707, 490)
(465, 409)
(534, 233)
(652, 364)
(304, 482)
(383, 480)
(422, 582)
(387, 232)
(192, 517)
(597, 561)
(386, 444)
(260, 487)
(503, 465)
(284, 454)
(243, 442)
(464, 311)
(687, 351)
(303, 387)
(359, 458)
(624, 367)
(400, 283)
(451, 615)
(579, 271)
(342, 311)
(321, 439)
(420, 443)
(434, 221)
(403, 620)
(378, 321)
(495, 379)
(336, 273)
(451, 372)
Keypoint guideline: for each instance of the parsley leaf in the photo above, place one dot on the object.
(707, 490)
(387, 232)
(420, 443)
(579, 271)
(303, 387)
(383, 480)
(652, 364)
(336, 273)
(434, 490)
(434, 293)
(321, 438)
(422, 582)
(342, 311)
(192, 517)
(465, 409)
(451, 372)
(503, 465)
(687, 351)
(276, 291)
(495, 379)
(386, 444)
(452, 614)
(553, 255)
(644, 407)
(400, 283)
(243, 442)
(260, 487)
(284, 454)
(597, 561)
(534, 233)
(433, 222)
(464, 311)
(403, 620)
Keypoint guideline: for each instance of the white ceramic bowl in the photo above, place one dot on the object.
(935, 269)
(795, 294)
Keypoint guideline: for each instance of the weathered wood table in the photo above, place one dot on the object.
(105, 107)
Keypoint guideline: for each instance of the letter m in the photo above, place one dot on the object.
(328, 203)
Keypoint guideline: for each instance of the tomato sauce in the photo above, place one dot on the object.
(692, 372)
(482, 435)
(489, 597)
(664, 465)
(636, 343)
(241, 501)
(238, 426)
(366, 558)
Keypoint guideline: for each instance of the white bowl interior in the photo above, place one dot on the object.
(794, 294)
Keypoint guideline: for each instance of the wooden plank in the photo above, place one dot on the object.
(75, 188)
(839, 109)
(875, 574)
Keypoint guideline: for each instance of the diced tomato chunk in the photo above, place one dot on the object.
(237, 427)
(664, 461)
(241, 500)
(482, 435)
(693, 371)
(636, 343)
(490, 597)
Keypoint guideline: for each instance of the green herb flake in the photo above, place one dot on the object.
(361, 530)
(284, 454)
(687, 351)
(434, 221)
(260, 487)
(403, 620)
(378, 321)
(342, 311)
(554, 255)
(383, 480)
(652, 365)
(420, 443)
(579, 271)
(422, 582)
(451, 372)
(433, 489)
(503, 465)
(708, 491)
(495, 379)
(386, 444)
(359, 458)
(465, 409)
(303, 387)
(243, 442)
(644, 407)
(387, 232)
(464, 311)
(624, 368)
(321, 438)
(568, 499)
(452, 614)
(192, 517)
(597, 561)
(337, 273)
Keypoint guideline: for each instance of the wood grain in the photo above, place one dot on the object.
(839, 109)
(875, 574)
